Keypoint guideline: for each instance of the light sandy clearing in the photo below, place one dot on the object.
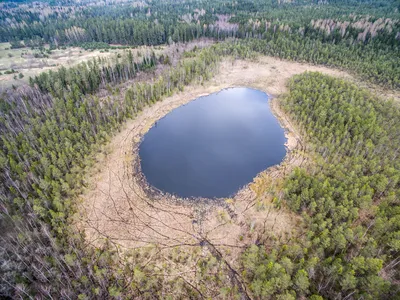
(116, 207)
(23, 61)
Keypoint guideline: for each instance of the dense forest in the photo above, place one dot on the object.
(330, 33)
(355, 138)
(348, 196)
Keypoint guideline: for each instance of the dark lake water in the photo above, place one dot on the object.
(214, 145)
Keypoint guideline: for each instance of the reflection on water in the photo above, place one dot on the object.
(214, 145)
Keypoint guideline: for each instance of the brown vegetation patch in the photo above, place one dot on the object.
(116, 207)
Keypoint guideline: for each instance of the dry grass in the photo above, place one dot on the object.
(116, 207)
(23, 60)
(177, 233)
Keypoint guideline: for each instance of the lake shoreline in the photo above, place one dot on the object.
(214, 145)
(293, 141)
(121, 207)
